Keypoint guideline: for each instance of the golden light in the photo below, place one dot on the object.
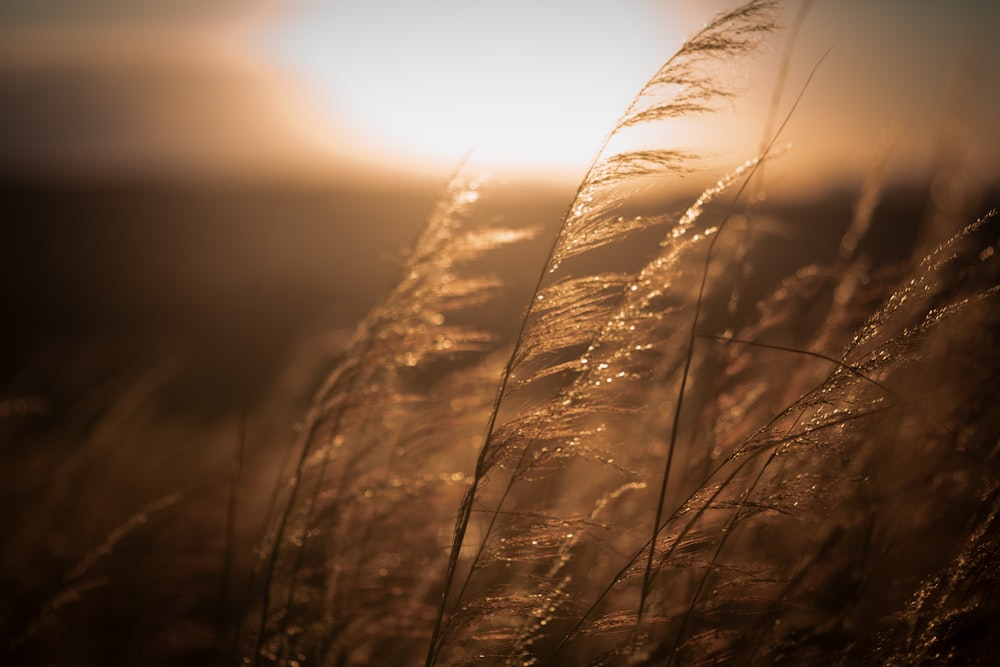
(525, 84)
(292, 89)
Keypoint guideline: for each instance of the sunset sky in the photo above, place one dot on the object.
(292, 89)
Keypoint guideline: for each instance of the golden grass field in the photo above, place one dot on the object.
(660, 419)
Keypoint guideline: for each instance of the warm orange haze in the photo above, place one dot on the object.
(659, 332)
(289, 88)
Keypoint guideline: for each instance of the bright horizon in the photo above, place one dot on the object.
(518, 84)
(310, 89)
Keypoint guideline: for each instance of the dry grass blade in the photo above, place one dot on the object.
(682, 86)
(589, 224)
(370, 415)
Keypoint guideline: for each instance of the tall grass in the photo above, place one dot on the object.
(663, 478)
(667, 464)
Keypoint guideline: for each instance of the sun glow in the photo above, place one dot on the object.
(523, 84)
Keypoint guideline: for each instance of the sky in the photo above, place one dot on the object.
(314, 88)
